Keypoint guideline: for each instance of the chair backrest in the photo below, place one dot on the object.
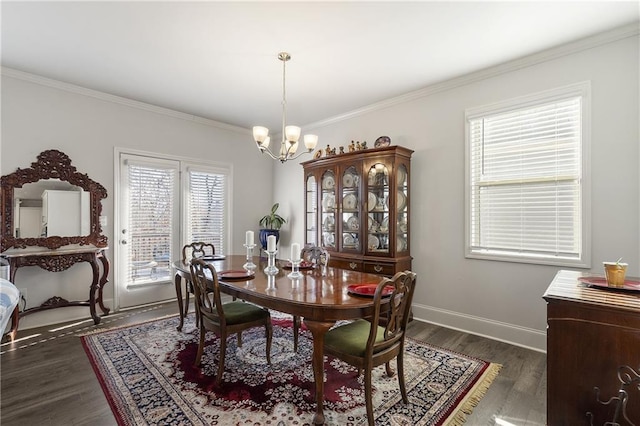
(397, 316)
(207, 290)
(197, 249)
(316, 255)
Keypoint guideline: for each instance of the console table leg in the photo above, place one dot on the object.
(103, 281)
(92, 292)
(15, 320)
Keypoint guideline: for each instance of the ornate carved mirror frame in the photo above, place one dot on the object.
(51, 164)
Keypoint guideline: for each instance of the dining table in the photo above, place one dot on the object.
(321, 296)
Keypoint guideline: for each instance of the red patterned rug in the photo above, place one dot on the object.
(147, 375)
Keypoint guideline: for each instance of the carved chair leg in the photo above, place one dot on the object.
(388, 368)
(403, 389)
(269, 332)
(200, 347)
(296, 329)
(239, 339)
(223, 351)
(368, 392)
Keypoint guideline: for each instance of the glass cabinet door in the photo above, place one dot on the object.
(378, 209)
(351, 206)
(329, 209)
(311, 214)
(402, 209)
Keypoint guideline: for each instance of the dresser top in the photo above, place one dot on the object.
(567, 286)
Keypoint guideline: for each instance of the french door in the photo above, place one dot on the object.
(163, 204)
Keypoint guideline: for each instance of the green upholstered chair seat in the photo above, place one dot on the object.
(241, 312)
(352, 338)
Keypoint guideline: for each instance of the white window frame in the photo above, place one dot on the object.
(582, 90)
(185, 163)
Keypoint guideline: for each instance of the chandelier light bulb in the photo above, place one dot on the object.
(293, 148)
(310, 142)
(292, 133)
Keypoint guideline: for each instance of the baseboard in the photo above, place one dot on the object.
(528, 338)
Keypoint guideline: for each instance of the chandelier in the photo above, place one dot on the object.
(290, 134)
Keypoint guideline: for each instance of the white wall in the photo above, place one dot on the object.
(87, 126)
(498, 299)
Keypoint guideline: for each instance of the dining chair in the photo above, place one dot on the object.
(223, 319)
(365, 344)
(193, 251)
(319, 257)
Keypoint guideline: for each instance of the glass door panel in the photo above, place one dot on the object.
(402, 201)
(378, 209)
(329, 208)
(311, 192)
(351, 219)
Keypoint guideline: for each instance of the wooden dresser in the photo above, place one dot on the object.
(591, 332)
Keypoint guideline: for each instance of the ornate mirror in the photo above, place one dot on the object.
(50, 205)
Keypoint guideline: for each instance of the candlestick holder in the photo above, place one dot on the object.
(249, 265)
(271, 268)
(271, 284)
(295, 269)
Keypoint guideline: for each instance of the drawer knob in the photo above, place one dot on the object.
(353, 265)
(377, 268)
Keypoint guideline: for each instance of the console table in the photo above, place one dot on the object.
(60, 260)
(591, 334)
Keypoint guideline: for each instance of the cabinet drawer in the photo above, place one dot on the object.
(353, 265)
(379, 268)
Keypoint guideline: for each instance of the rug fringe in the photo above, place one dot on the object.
(469, 402)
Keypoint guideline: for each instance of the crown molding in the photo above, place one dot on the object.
(566, 49)
(79, 90)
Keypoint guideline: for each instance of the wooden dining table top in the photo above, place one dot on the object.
(314, 296)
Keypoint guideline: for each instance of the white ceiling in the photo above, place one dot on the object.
(218, 60)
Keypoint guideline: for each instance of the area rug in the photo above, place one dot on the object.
(147, 374)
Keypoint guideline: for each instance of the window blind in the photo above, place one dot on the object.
(525, 181)
(151, 201)
(207, 215)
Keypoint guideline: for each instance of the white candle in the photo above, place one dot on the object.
(295, 252)
(249, 238)
(271, 243)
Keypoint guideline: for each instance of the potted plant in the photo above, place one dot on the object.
(271, 224)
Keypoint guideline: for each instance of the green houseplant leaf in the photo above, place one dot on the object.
(272, 220)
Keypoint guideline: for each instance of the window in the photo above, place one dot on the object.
(207, 208)
(526, 194)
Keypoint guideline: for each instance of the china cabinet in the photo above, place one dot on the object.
(357, 207)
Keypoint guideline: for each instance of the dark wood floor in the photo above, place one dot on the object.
(48, 380)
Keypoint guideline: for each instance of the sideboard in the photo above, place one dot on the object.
(591, 334)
